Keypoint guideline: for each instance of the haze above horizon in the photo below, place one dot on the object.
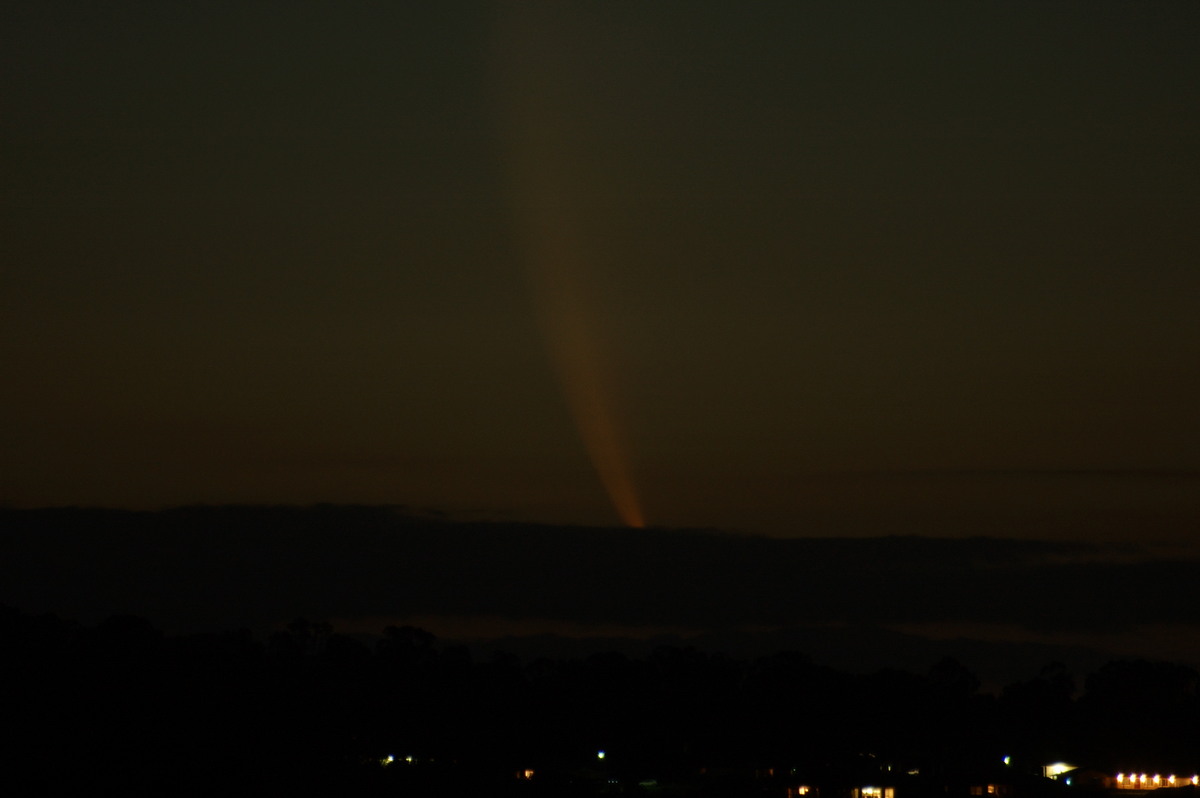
(797, 269)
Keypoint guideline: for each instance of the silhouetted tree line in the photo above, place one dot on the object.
(310, 711)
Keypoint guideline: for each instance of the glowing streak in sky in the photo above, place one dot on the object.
(535, 96)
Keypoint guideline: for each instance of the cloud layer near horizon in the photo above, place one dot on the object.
(214, 568)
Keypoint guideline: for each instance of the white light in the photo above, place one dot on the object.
(1008, 760)
(1057, 769)
(599, 754)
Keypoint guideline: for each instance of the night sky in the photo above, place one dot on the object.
(799, 269)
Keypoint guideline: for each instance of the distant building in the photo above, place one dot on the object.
(1151, 781)
(873, 792)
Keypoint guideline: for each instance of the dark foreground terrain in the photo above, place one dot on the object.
(124, 708)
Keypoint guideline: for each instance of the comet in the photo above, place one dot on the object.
(535, 96)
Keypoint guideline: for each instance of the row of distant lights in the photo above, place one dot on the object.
(527, 774)
(389, 759)
(1131, 782)
(1134, 780)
